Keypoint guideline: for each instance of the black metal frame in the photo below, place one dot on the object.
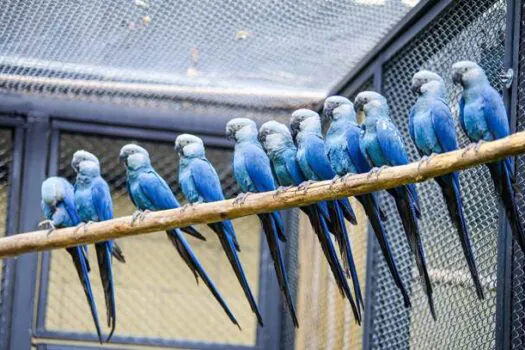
(37, 148)
(372, 66)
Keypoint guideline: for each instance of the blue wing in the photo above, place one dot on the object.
(102, 200)
(443, 125)
(294, 170)
(317, 159)
(352, 144)
(69, 205)
(461, 110)
(206, 180)
(157, 191)
(495, 114)
(259, 169)
(411, 124)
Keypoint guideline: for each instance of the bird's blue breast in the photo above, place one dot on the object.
(140, 199)
(84, 204)
(336, 149)
(474, 119)
(240, 172)
(370, 145)
(188, 185)
(424, 134)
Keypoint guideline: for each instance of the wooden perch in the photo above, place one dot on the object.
(264, 202)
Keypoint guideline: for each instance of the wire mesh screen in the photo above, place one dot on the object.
(156, 293)
(465, 30)
(305, 45)
(518, 266)
(6, 152)
(326, 318)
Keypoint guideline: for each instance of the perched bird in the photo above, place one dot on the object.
(280, 148)
(58, 205)
(483, 117)
(93, 203)
(306, 130)
(381, 144)
(149, 192)
(252, 171)
(200, 183)
(431, 127)
(342, 149)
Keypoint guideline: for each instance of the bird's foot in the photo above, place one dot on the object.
(334, 181)
(139, 215)
(241, 198)
(186, 207)
(346, 177)
(304, 186)
(49, 223)
(84, 225)
(478, 145)
(467, 149)
(280, 190)
(425, 160)
(376, 171)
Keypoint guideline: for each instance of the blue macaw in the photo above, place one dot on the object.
(381, 144)
(306, 130)
(200, 183)
(278, 144)
(58, 205)
(252, 171)
(149, 192)
(431, 127)
(93, 203)
(342, 149)
(483, 117)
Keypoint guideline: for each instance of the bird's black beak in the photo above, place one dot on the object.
(416, 86)
(457, 78)
(123, 159)
(74, 165)
(294, 129)
(262, 136)
(230, 134)
(178, 148)
(328, 112)
(358, 105)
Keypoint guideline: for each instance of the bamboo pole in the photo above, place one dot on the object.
(264, 202)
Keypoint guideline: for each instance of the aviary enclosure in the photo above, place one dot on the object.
(97, 75)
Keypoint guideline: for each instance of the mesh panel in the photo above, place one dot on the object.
(518, 270)
(327, 321)
(6, 152)
(305, 45)
(466, 30)
(156, 293)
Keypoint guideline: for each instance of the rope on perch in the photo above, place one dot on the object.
(265, 202)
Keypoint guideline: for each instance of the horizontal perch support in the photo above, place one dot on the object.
(264, 202)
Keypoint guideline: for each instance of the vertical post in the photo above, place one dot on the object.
(35, 162)
(371, 247)
(505, 241)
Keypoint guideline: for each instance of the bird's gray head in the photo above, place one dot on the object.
(53, 190)
(188, 145)
(85, 163)
(273, 135)
(369, 101)
(305, 120)
(336, 107)
(240, 129)
(426, 81)
(467, 73)
(134, 156)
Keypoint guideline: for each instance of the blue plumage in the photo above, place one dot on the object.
(58, 205)
(431, 127)
(483, 117)
(149, 191)
(381, 144)
(278, 143)
(252, 170)
(311, 156)
(93, 203)
(342, 149)
(200, 183)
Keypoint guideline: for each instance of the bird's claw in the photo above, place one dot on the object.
(241, 198)
(84, 225)
(334, 181)
(346, 177)
(186, 207)
(473, 146)
(478, 145)
(304, 186)
(425, 160)
(280, 190)
(139, 215)
(376, 171)
(49, 223)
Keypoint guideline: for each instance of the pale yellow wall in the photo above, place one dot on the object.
(326, 318)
